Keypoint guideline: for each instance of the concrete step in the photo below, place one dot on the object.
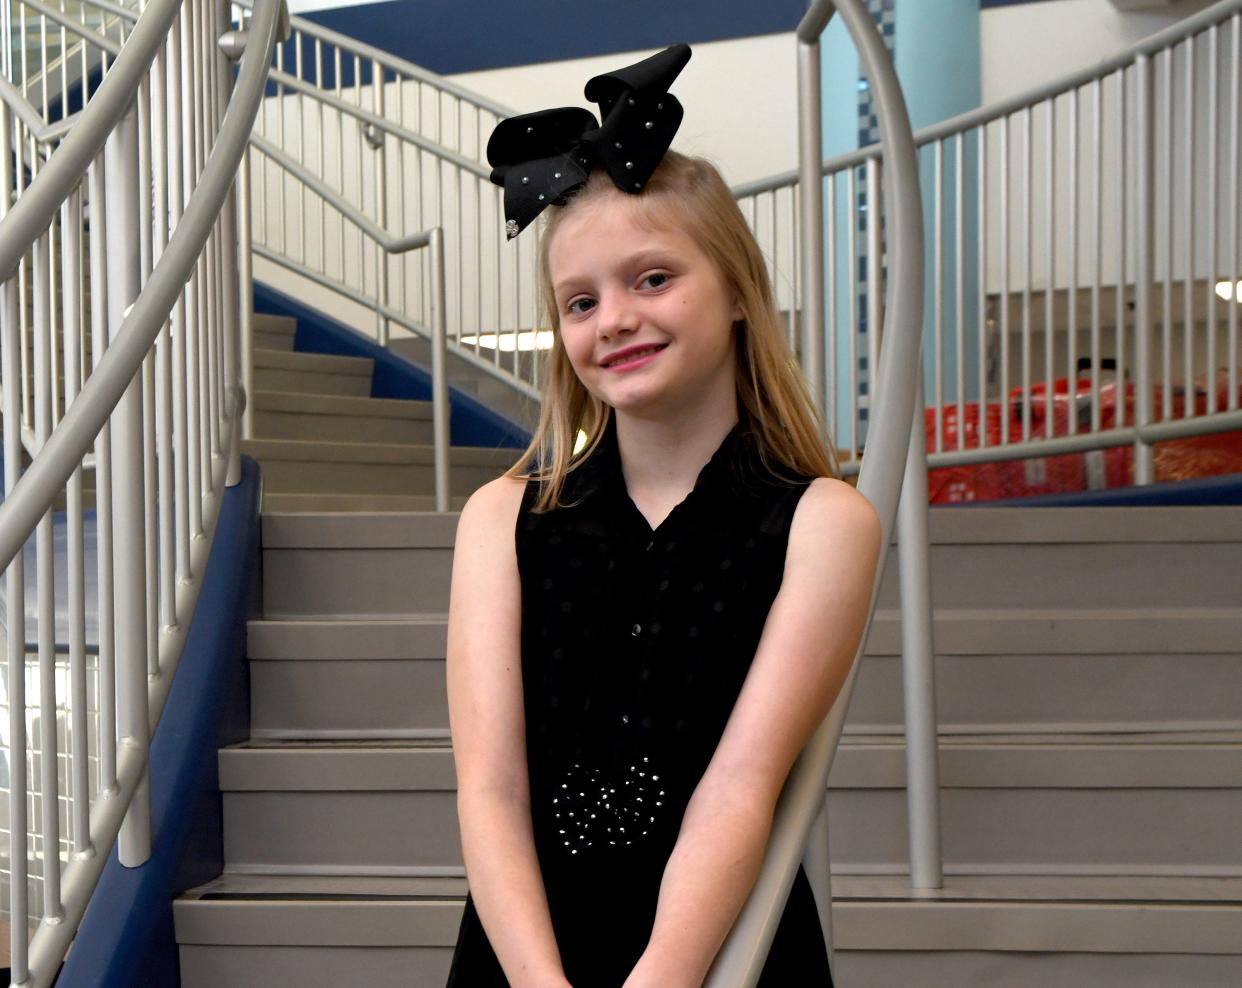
(348, 679)
(311, 373)
(1072, 557)
(299, 466)
(355, 503)
(272, 332)
(356, 565)
(247, 931)
(289, 415)
(998, 671)
(1077, 804)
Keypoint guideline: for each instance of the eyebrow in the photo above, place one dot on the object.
(651, 257)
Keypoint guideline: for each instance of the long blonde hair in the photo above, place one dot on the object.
(689, 193)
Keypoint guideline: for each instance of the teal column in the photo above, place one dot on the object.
(935, 44)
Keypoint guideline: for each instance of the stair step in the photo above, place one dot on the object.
(1146, 804)
(353, 565)
(298, 466)
(248, 931)
(364, 503)
(1037, 672)
(1128, 557)
(269, 322)
(340, 418)
(311, 373)
(348, 679)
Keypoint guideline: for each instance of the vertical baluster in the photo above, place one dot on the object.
(1188, 208)
(875, 284)
(1050, 263)
(1071, 314)
(191, 322)
(103, 487)
(1211, 310)
(121, 156)
(851, 250)
(1122, 245)
(981, 222)
(49, 796)
(1166, 299)
(1028, 250)
(938, 293)
(1097, 127)
(71, 267)
(1144, 210)
(1004, 285)
(1235, 176)
(959, 281)
(15, 608)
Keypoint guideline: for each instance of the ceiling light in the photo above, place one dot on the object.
(531, 339)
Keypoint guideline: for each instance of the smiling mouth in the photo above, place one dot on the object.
(635, 355)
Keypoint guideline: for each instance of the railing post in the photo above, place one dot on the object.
(245, 271)
(1144, 460)
(381, 205)
(811, 215)
(439, 381)
(133, 729)
(918, 661)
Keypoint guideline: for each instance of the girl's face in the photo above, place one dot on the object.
(622, 286)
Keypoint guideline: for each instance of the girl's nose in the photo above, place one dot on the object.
(616, 315)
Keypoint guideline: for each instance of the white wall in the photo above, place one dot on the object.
(1029, 44)
(740, 98)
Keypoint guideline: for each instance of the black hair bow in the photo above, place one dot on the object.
(539, 158)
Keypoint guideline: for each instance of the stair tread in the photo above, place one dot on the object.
(349, 405)
(320, 363)
(974, 525)
(320, 451)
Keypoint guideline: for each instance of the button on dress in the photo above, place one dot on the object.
(635, 645)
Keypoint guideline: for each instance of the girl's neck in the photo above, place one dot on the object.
(661, 458)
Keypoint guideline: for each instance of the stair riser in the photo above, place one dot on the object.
(313, 967)
(273, 340)
(311, 382)
(352, 698)
(342, 582)
(1165, 575)
(356, 698)
(346, 428)
(1016, 829)
(301, 477)
(986, 969)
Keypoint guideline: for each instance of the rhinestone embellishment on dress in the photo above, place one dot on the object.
(590, 809)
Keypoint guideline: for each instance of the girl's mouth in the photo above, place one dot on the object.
(635, 360)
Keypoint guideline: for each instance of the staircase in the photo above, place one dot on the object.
(1091, 741)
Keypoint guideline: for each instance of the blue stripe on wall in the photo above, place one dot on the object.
(448, 36)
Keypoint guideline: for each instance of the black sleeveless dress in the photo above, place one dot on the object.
(635, 645)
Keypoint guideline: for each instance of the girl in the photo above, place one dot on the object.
(643, 636)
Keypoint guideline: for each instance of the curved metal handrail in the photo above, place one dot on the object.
(101, 392)
(740, 960)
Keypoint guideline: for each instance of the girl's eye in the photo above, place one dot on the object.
(655, 280)
(579, 306)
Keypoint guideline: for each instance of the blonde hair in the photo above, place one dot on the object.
(690, 194)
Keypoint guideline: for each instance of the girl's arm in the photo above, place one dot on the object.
(489, 748)
(811, 635)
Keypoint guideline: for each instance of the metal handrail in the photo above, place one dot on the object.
(970, 119)
(740, 960)
(434, 239)
(117, 373)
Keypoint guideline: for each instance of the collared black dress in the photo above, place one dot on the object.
(635, 645)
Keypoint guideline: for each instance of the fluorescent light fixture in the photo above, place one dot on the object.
(1227, 290)
(530, 339)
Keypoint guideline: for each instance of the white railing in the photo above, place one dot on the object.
(119, 305)
(1091, 225)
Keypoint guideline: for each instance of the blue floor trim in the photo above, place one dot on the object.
(126, 939)
(1202, 491)
(472, 422)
